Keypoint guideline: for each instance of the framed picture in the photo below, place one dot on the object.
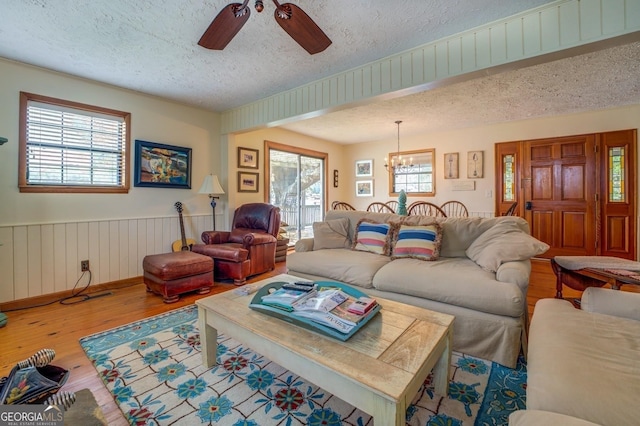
(364, 168)
(247, 182)
(364, 188)
(247, 158)
(451, 165)
(475, 160)
(164, 166)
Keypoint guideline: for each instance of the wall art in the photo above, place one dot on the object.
(247, 158)
(475, 164)
(364, 188)
(248, 182)
(160, 165)
(451, 165)
(364, 168)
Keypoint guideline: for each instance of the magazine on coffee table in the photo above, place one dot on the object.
(324, 312)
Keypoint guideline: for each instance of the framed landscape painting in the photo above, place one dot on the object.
(364, 188)
(247, 182)
(164, 166)
(364, 168)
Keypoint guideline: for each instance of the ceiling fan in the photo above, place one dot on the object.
(290, 17)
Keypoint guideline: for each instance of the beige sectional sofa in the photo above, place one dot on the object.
(583, 365)
(488, 301)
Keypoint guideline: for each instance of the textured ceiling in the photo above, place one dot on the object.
(598, 80)
(151, 46)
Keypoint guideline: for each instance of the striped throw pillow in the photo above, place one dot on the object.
(372, 237)
(419, 242)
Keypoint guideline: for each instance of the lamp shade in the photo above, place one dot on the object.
(211, 186)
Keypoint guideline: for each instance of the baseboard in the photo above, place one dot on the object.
(52, 297)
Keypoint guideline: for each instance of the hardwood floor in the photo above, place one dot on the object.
(60, 327)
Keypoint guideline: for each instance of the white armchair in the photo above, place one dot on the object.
(583, 363)
(610, 302)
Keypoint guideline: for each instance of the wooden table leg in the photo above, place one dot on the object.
(557, 270)
(441, 370)
(388, 413)
(208, 339)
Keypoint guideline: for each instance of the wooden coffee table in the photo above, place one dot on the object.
(378, 370)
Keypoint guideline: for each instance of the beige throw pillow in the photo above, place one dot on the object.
(504, 242)
(331, 234)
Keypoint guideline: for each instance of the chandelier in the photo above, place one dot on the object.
(398, 164)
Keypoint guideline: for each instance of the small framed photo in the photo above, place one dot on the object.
(364, 168)
(364, 188)
(162, 166)
(247, 182)
(451, 165)
(475, 164)
(247, 158)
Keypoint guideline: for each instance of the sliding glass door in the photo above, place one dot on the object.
(296, 185)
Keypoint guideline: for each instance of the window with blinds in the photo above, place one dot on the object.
(71, 147)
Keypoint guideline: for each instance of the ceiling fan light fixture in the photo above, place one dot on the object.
(293, 20)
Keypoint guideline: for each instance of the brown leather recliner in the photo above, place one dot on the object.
(249, 248)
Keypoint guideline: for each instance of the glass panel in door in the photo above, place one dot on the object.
(297, 187)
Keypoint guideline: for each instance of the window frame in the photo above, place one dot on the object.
(23, 184)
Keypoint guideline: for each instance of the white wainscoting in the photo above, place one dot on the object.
(482, 214)
(45, 258)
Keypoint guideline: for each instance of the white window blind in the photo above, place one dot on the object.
(73, 147)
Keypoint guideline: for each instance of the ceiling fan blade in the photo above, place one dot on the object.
(301, 28)
(225, 26)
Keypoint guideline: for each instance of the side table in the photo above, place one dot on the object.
(580, 272)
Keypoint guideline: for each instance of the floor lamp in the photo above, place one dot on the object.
(212, 186)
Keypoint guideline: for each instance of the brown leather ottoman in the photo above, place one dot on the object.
(171, 274)
(230, 260)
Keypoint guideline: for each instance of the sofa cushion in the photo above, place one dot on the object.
(504, 242)
(418, 242)
(372, 237)
(454, 281)
(348, 266)
(331, 234)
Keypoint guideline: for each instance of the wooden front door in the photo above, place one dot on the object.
(576, 192)
(560, 193)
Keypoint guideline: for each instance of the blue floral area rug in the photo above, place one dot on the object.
(154, 371)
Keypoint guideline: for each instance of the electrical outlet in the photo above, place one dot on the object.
(84, 265)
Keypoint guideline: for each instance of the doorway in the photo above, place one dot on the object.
(578, 193)
(296, 182)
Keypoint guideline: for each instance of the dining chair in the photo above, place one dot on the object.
(455, 209)
(512, 210)
(425, 208)
(393, 204)
(379, 207)
(341, 205)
